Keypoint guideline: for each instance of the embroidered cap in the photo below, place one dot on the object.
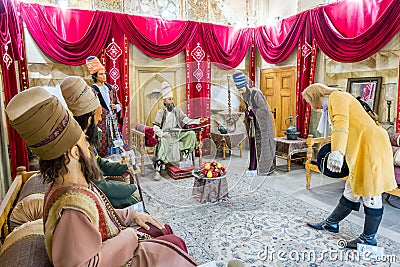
(79, 97)
(42, 121)
(94, 65)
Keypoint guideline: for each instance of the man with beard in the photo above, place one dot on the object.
(81, 228)
(86, 108)
(261, 126)
(168, 118)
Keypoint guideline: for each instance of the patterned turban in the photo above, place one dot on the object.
(240, 79)
(79, 97)
(94, 65)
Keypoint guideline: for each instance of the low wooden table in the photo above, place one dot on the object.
(229, 140)
(290, 149)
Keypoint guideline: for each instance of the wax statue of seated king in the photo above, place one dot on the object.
(172, 142)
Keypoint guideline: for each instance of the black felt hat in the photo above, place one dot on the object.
(322, 160)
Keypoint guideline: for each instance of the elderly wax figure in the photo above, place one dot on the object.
(109, 100)
(366, 148)
(261, 126)
(81, 228)
(172, 117)
(86, 108)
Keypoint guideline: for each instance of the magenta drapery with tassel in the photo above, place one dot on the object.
(11, 50)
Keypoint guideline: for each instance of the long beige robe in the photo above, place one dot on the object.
(168, 149)
(77, 242)
(365, 145)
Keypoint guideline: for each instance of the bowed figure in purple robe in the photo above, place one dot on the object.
(261, 126)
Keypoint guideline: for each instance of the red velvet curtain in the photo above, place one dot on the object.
(88, 32)
(372, 24)
(351, 31)
(398, 105)
(18, 150)
(275, 43)
(306, 61)
(9, 28)
(253, 60)
(10, 39)
(226, 45)
(377, 22)
(157, 37)
(116, 61)
(23, 63)
(68, 36)
(198, 85)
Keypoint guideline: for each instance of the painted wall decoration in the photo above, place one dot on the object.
(109, 5)
(168, 9)
(197, 10)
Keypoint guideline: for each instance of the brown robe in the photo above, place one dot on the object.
(82, 229)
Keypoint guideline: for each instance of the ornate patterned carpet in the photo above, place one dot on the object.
(258, 225)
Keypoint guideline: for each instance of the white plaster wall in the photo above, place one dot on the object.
(309, 4)
(269, 10)
(33, 53)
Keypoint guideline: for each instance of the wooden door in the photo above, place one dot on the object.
(279, 87)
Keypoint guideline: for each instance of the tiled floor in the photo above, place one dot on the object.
(325, 192)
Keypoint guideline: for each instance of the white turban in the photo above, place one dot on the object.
(166, 90)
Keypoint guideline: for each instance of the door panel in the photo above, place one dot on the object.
(267, 85)
(279, 88)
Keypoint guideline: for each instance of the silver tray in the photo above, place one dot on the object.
(206, 178)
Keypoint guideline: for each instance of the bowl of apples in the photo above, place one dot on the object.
(210, 170)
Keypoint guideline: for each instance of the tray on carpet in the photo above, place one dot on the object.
(179, 173)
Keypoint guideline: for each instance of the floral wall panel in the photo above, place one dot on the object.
(108, 5)
(81, 4)
(197, 10)
(168, 9)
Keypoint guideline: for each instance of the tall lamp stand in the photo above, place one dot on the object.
(389, 97)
